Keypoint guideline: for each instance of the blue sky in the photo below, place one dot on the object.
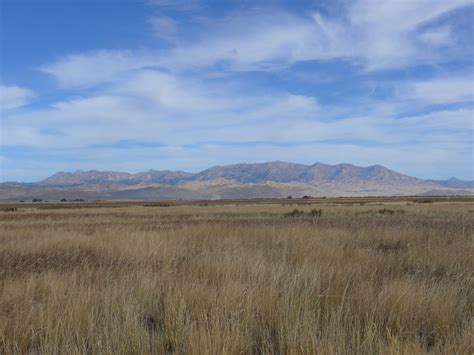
(132, 85)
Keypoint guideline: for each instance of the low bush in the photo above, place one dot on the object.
(298, 213)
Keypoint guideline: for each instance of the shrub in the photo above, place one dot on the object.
(295, 213)
(390, 212)
(9, 209)
(316, 213)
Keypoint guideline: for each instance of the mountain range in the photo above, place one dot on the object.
(270, 179)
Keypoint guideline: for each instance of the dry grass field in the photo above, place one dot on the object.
(365, 277)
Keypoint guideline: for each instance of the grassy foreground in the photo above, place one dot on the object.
(238, 278)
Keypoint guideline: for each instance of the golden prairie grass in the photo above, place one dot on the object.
(228, 279)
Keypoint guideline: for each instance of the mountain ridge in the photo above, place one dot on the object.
(277, 171)
(242, 180)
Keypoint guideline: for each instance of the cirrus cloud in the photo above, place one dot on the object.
(12, 97)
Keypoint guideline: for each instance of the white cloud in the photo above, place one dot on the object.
(441, 90)
(373, 34)
(12, 97)
(164, 27)
(83, 70)
(182, 5)
(437, 36)
(387, 29)
(171, 92)
(152, 106)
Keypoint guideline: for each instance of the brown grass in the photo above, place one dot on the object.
(238, 278)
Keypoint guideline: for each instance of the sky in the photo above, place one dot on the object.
(133, 85)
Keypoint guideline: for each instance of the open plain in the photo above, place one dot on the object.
(327, 276)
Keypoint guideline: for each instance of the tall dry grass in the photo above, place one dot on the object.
(237, 279)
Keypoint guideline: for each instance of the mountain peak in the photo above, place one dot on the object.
(269, 179)
(273, 171)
